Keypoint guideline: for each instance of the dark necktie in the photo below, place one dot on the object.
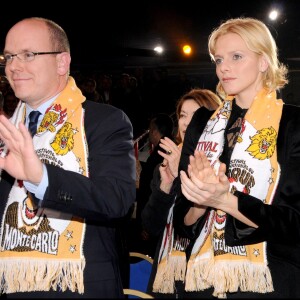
(33, 120)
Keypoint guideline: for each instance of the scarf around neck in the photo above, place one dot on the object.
(42, 249)
(253, 169)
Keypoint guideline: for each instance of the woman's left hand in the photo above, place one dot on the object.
(203, 185)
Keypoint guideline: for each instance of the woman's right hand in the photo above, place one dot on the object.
(169, 167)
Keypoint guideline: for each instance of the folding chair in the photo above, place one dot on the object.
(140, 270)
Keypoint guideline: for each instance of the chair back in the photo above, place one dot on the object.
(136, 294)
(140, 270)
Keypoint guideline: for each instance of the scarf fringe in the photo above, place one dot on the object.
(228, 277)
(41, 277)
(169, 271)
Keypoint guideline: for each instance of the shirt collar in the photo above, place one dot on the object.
(42, 108)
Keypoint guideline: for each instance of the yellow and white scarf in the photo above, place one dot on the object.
(253, 169)
(42, 249)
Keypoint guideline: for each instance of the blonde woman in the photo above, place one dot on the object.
(240, 177)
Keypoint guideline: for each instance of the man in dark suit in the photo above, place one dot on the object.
(65, 188)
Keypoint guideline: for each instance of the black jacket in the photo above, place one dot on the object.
(102, 199)
(278, 224)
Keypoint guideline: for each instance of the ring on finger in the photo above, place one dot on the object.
(169, 152)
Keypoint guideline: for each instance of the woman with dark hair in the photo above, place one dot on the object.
(157, 214)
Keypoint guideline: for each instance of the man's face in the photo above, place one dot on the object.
(33, 81)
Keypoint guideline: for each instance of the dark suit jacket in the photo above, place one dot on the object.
(102, 199)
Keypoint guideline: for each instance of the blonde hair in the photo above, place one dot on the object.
(258, 39)
(202, 97)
